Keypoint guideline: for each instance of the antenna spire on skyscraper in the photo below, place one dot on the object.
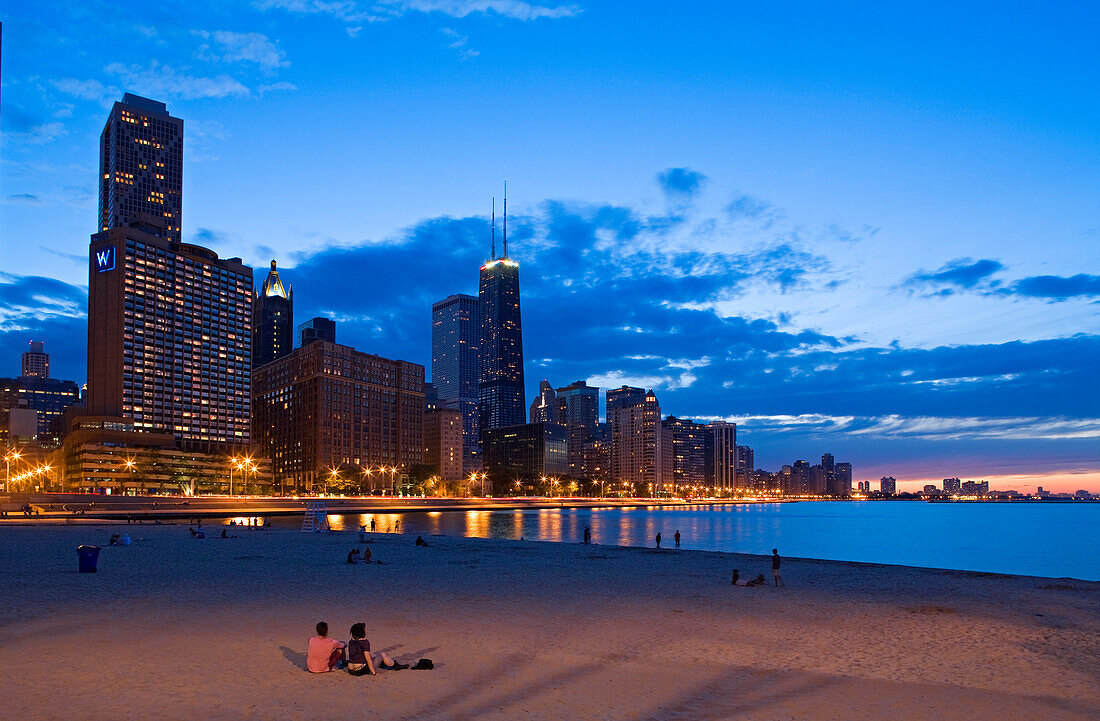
(505, 218)
(493, 225)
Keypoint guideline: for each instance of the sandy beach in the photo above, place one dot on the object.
(174, 627)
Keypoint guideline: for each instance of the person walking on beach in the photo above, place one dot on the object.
(372, 525)
(658, 539)
(775, 568)
(677, 537)
(587, 535)
(323, 653)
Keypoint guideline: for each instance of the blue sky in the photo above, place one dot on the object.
(869, 230)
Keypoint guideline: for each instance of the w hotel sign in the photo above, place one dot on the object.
(104, 259)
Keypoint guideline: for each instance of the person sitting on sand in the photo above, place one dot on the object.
(738, 581)
(361, 662)
(421, 542)
(366, 555)
(114, 540)
(323, 653)
(353, 555)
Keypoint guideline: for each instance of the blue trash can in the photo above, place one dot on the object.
(89, 556)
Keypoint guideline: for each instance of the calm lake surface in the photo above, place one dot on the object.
(1035, 539)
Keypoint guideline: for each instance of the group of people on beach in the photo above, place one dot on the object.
(736, 580)
(326, 654)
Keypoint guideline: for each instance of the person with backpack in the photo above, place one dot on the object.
(361, 661)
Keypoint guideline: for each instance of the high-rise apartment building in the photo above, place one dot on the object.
(36, 361)
(721, 455)
(456, 365)
(169, 337)
(638, 445)
(443, 442)
(316, 329)
(141, 167)
(952, 486)
(888, 484)
(745, 467)
(578, 409)
(272, 320)
(688, 450)
(327, 410)
(618, 397)
(842, 479)
(501, 391)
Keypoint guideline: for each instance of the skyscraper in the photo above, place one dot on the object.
(169, 323)
(316, 329)
(169, 337)
(141, 167)
(272, 320)
(500, 392)
(721, 455)
(688, 450)
(544, 409)
(456, 365)
(36, 361)
(579, 411)
(639, 444)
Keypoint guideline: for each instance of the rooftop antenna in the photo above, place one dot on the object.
(505, 218)
(494, 227)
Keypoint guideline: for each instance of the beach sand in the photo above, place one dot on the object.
(177, 628)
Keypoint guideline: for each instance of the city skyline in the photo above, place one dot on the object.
(915, 347)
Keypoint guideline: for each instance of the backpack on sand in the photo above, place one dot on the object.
(424, 664)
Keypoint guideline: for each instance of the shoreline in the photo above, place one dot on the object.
(533, 629)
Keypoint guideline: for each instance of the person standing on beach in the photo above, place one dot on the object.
(587, 535)
(658, 539)
(677, 537)
(775, 568)
(323, 653)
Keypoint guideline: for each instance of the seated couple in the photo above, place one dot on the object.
(738, 581)
(326, 654)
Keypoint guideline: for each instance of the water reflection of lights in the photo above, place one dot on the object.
(244, 521)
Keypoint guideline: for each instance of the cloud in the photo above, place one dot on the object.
(28, 298)
(382, 10)
(458, 43)
(1056, 288)
(23, 199)
(232, 47)
(940, 428)
(147, 30)
(275, 87)
(511, 9)
(964, 273)
(40, 134)
(93, 90)
(681, 182)
(164, 81)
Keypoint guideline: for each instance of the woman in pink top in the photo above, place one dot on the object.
(324, 653)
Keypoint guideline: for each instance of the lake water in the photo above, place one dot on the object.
(1036, 539)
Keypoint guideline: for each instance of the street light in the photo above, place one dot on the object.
(130, 468)
(12, 455)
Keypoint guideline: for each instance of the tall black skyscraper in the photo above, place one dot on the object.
(272, 320)
(141, 167)
(500, 392)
